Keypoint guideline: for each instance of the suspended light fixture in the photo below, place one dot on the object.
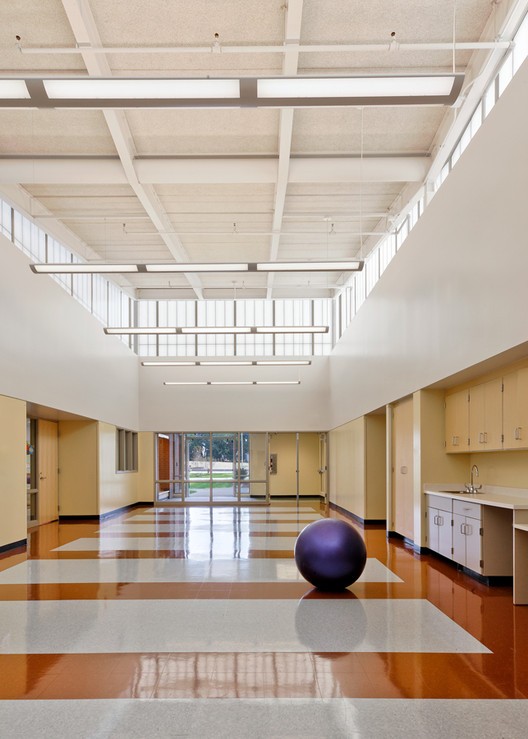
(352, 265)
(230, 363)
(238, 382)
(198, 330)
(239, 92)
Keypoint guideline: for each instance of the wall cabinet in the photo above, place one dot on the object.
(439, 525)
(457, 421)
(515, 410)
(480, 537)
(485, 416)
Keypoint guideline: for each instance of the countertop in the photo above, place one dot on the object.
(512, 498)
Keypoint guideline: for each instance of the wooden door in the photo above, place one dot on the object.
(47, 471)
(402, 469)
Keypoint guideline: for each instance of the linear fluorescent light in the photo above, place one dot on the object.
(198, 330)
(82, 268)
(128, 330)
(351, 87)
(237, 382)
(187, 267)
(186, 383)
(141, 89)
(282, 362)
(353, 265)
(13, 90)
(168, 364)
(231, 363)
(277, 382)
(193, 267)
(291, 330)
(217, 330)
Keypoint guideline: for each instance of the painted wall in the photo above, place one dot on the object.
(116, 489)
(376, 468)
(455, 294)
(54, 353)
(78, 472)
(146, 467)
(302, 407)
(13, 505)
(347, 467)
(508, 469)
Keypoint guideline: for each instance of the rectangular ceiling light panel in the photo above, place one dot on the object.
(355, 87)
(82, 268)
(353, 265)
(13, 90)
(142, 89)
(193, 267)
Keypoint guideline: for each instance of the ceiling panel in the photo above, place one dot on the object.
(204, 132)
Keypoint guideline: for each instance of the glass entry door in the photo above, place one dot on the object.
(212, 467)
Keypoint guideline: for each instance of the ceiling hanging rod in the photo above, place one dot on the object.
(391, 45)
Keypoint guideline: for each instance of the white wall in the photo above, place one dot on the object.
(301, 407)
(54, 353)
(456, 293)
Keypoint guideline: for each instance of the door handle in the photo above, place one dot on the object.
(42, 477)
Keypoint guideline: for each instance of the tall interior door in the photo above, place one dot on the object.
(402, 517)
(47, 470)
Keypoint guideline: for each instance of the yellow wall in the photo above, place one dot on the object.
(376, 468)
(116, 489)
(78, 475)
(507, 469)
(431, 463)
(146, 466)
(285, 447)
(347, 466)
(13, 504)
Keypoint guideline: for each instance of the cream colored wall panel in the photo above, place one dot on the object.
(54, 353)
(147, 465)
(78, 465)
(347, 467)
(376, 468)
(446, 302)
(285, 481)
(403, 469)
(13, 513)
(116, 489)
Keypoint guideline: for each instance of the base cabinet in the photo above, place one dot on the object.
(439, 525)
(479, 537)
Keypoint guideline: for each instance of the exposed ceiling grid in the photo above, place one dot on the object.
(231, 184)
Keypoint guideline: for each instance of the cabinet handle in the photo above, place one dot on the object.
(518, 436)
(462, 527)
(469, 529)
(440, 520)
(485, 437)
(454, 441)
(481, 437)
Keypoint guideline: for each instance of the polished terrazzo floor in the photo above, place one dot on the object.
(195, 623)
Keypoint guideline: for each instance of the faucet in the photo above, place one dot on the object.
(472, 488)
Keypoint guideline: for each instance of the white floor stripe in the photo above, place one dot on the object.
(169, 570)
(337, 718)
(218, 625)
(222, 544)
(213, 526)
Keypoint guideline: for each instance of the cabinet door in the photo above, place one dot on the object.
(457, 421)
(459, 539)
(432, 529)
(445, 534)
(515, 410)
(485, 416)
(473, 544)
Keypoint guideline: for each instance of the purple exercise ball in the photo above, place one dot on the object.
(330, 554)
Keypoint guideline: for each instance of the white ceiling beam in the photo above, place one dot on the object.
(173, 170)
(86, 35)
(290, 64)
